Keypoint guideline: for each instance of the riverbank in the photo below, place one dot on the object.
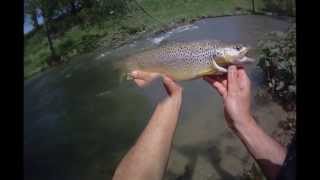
(278, 61)
(116, 31)
(284, 133)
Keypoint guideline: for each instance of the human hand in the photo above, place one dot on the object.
(142, 78)
(235, 90)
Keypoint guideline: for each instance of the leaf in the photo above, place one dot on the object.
(292, 88)
(274, 51)
(267, 63)
(280, 85)
(277, 59)
(283, 65)
(292, 61)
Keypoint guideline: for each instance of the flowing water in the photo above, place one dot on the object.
(79, 120)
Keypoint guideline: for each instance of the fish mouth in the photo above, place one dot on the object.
(244, 51)
(246, 60)
(241, 58)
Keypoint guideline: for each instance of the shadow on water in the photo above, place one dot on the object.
(79, 129)
(207, 150)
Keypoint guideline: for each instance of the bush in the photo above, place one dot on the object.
(254, 173)
(278, 62)
(65, 46)
(111, 7)
(286, 7)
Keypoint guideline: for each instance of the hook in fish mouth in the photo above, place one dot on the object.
(244, 51)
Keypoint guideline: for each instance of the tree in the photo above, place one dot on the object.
(87, 3)
(48, 9)
(73, 6)
(70, 7)
(31, 10)
(253, 8)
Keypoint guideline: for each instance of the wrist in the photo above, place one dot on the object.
(173, 103)
(244, 124)
(175, 99)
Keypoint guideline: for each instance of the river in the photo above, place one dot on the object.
(79, 119)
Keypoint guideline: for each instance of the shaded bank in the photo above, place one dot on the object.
(278, 61)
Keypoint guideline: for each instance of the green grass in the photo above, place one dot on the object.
(112, 31)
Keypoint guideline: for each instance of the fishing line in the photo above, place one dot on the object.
(148, 14)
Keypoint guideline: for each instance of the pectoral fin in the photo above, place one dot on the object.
(207, 72)
(219, 69)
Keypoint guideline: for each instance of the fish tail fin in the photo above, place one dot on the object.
(120, 66)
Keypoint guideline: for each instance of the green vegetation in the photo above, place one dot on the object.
(285, 7)
(254, 173)
(278, 62)
(86, 25)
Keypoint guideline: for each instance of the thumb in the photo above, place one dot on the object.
(244, 81)
(170, 86)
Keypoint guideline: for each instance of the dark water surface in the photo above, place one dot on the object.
(79, 120)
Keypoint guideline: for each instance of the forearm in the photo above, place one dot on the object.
(148, 158)
(269, 154)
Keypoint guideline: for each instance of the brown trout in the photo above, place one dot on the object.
(186, 61)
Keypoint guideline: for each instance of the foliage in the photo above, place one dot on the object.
(111, 7)
(286, 7)
(278, 62)
(30, 9)
(254, 173)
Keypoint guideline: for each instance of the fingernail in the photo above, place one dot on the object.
(232, 68)
(134, 73)
(215, 84)
(167, 79)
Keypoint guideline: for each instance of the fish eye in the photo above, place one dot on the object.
(238, 47)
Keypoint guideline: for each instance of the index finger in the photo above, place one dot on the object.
(232, 79)
(142, 78)
(171, 86)
(244, 81)
(147, 76)
(218, 85)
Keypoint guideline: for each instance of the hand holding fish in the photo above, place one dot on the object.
(142, 78)
(144, 161)
(148, 158)
(235, 90)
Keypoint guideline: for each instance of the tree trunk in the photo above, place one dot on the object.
(86, 4)
(34, 19)
(53, 57)
(73, 11)
(290, 7)
(253, 8)
(73, 8)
